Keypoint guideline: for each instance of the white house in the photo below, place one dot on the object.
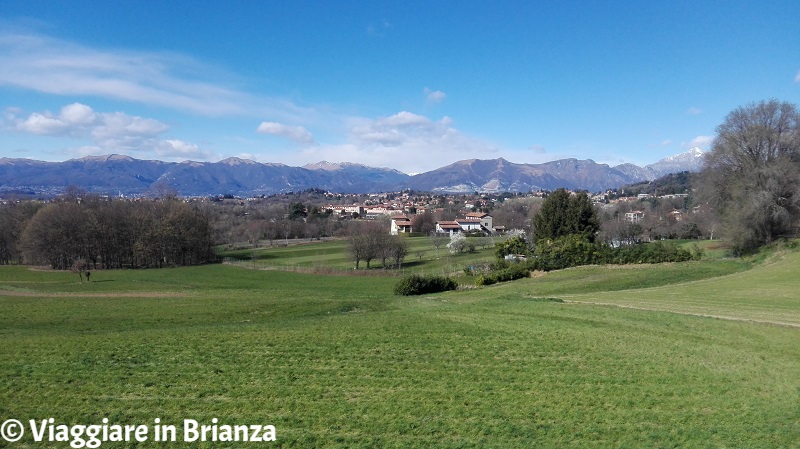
(485, 219)
(400, 225)
(634, 216)
(474, 221)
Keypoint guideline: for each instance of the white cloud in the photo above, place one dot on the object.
(406, 141)
(42, 124)
(666, 143)
(73, 120)
(702, 142)
(110, 132)
(434, 96)
(797, 78)
(174, 148)
(298, 134)
(694, 111)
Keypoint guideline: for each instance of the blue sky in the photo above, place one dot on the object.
(409, 85)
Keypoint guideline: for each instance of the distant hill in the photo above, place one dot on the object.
(670, 184)
(122, 174)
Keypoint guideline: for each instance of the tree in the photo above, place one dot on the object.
(564, 214)
(399, 246)
(423, 223)
(750, 176)
(513, 245)
(437, 240)
(78, 267)
(364, 242)
(458, 243)
(297, 211)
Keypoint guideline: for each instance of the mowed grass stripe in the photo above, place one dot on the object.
(767, 293)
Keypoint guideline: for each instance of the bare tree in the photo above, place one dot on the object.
(750, 176)
(399, 250)
(438, 241)
(423, 223)
(364, 242)
(79, 266)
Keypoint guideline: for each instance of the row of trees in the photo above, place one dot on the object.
(370, 241)
(13, 219)
(117, 234)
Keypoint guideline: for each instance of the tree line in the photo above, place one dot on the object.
(101, 233)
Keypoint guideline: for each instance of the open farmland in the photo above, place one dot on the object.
(333, 255)
(628, 359)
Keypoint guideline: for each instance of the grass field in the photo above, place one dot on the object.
(332, 255)
(701, 354)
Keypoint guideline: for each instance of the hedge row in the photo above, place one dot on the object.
(420, 285)
(508, 273)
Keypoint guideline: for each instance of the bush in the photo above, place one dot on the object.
(509, 273)
(420, 285)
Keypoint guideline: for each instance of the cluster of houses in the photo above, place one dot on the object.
(473, 222)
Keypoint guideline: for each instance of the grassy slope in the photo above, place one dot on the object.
(422, 256)
(339, 362)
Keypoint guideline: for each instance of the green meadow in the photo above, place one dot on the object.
(332, 256)
(701, 354)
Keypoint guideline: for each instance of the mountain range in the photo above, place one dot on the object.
(115, 174)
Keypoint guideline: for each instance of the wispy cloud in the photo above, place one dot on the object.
(797, 78)
(54, 66)
(110, 132)
(434, 96)
(405, 141)
(378, 30)
(694, 111)
(537, 149)
(298, 134)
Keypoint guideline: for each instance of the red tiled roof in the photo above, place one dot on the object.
(449, 225)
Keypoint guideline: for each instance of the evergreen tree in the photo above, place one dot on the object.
(564, 214)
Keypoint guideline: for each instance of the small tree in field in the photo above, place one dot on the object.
(399, 250)
(458, 243)
(438, 241)
(79, 266)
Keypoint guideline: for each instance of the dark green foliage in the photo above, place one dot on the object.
(297, 211)
(689, 231)
(575, 250)
(564, 214)
(420, 285)
(568, 251)
(514, 245)
(502, 272)
(572, 251)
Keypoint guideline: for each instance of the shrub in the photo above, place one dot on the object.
(508, 273)
(420, 285)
